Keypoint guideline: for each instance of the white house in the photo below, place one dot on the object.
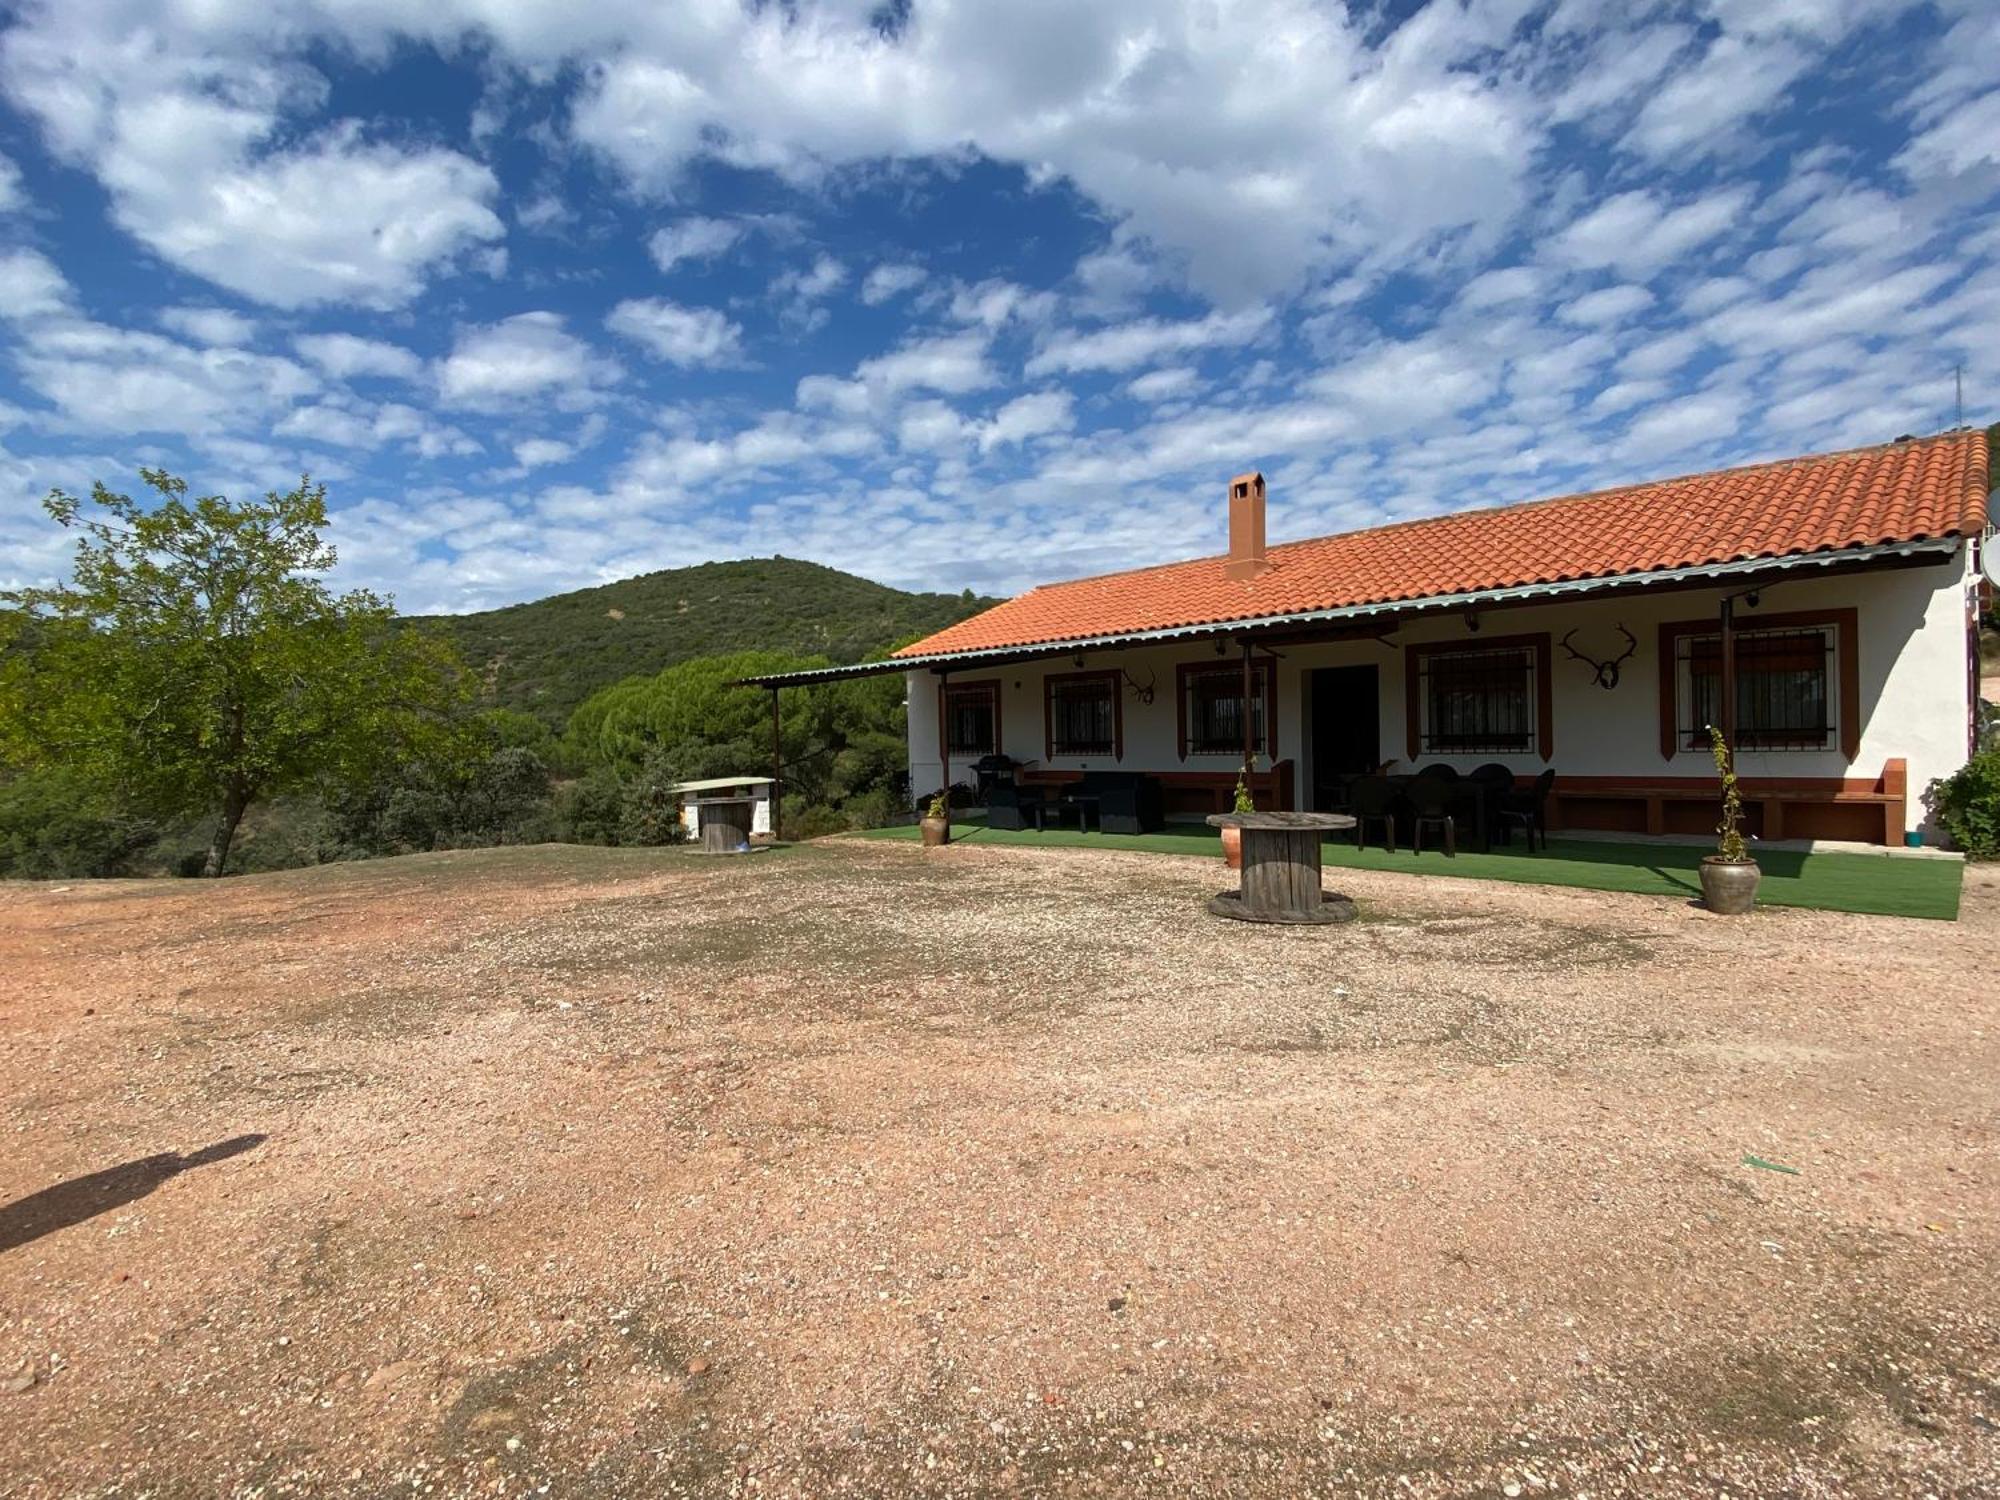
(1589, 634)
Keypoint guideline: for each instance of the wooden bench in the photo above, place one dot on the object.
(1200, 792)
(1823, 807)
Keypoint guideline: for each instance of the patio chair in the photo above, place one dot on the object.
(1431, 799)
(1530, 809)
(1014, 805)
(1372, 800)
(1497, 783)
(1439, 770)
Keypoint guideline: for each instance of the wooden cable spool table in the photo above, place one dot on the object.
(725, 824)
(1281, 869)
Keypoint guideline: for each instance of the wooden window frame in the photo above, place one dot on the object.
(1414, 658)
(1115, 680)
(990, 687)
(1267, 667)
(1846, 687)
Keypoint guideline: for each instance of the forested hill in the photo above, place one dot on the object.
(548, 656)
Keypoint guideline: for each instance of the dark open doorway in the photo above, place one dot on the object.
(1346, 730)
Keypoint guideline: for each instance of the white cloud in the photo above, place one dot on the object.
(1185, 123)
(689, 337)
(821, 279)
(518, 357)
(1687, 425)
(1611, 304)
(890, 280)
(1965, 139)
(1501, 287)
(1395, 386)
(345, 356)
(123, 381)
(1695, 112)
(953, 364)
(692, 238)
(1126, 346)
(189, 144)
(536, 453)
(13, 197)
(1164, 385)
(1034, 415)
(1635, 232)
(994, 303)
(31, 286)
(209, 325)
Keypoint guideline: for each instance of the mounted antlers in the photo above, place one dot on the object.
(1142, 691)
(1604, 673)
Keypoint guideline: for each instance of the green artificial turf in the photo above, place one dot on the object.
(1879, 884)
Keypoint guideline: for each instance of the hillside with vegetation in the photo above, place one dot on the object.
(546, 657)
(198, 700)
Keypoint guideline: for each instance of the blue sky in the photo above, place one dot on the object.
(967, 294)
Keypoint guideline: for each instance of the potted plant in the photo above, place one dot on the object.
(1232, 838)
(936, 822)
(1729, 876)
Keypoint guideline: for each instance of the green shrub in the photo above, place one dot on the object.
(57, 825)
(651, 810)
(1968, 804)
(876, 809)
(817, 821)
(591, 809)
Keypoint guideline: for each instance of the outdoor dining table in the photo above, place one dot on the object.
(1281, 868)
(1464, 791)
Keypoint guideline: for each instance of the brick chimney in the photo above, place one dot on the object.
(1246, 526)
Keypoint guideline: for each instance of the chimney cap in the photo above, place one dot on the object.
(1251, 483)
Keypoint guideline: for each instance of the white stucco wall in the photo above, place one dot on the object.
(1914, 690)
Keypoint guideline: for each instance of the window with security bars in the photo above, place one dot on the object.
(1083, 714)
(1212, 710)
(1480, 700)
(971, 717)
(1784, 678)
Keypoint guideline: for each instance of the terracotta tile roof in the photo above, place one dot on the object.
(1907, 491)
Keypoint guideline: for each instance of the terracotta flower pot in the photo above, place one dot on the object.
(1232, 848)
(935, 830)
(1729, 886)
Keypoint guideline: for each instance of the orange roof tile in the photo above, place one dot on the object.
(1913, 490)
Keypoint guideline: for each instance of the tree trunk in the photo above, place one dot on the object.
(234, 801)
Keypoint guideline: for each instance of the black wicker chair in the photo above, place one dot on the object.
(1530, 809)
(1372, 800)
(1009, 804)
(1431, 802)
(1127, 802)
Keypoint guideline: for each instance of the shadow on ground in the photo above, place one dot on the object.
(26, 1220)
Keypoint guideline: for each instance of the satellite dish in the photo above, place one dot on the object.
(1989, 556)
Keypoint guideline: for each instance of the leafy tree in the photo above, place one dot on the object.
(194, 665)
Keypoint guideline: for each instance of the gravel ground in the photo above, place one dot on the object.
(854, 1169)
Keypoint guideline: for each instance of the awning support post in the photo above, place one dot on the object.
(1249, 724)
(944, 753)
(777, 769)
(1728, 725)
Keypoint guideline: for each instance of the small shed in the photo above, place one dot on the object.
(756, 788)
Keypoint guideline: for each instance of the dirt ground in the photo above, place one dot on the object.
(853, 1169)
